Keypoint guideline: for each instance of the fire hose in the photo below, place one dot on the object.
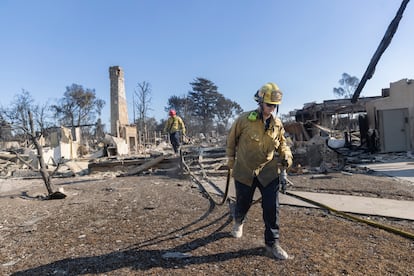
(355, 218)
(352, 217)
(318, 204)
(195, 178)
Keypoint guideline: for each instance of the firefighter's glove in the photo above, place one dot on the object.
(230, 162)
(283, 181)
(287, 162)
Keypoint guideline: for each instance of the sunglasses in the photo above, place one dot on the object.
(270, 105)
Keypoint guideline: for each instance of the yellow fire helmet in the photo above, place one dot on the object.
(269, 93)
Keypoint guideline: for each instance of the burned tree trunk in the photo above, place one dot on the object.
(43, 171)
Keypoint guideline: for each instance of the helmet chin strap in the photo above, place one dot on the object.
(276, 111)
(261, 109)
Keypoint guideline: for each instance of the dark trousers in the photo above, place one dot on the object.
(175, 140)
(270, 206)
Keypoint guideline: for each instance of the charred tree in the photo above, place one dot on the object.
(43, 168)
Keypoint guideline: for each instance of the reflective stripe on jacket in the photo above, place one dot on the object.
(254, 148)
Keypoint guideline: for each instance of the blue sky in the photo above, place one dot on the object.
(304, 46)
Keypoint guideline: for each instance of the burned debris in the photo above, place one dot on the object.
(340, 132)
(323, 136)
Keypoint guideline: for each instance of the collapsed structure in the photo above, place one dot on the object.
(377, 124)
(383, 123)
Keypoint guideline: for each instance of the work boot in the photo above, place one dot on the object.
(276, 251)
(237, 231)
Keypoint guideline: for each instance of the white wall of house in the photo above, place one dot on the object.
(401, 96)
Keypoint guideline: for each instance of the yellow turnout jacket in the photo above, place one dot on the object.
(174, 124)
(254, 148)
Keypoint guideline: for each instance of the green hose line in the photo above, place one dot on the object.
(343, 214)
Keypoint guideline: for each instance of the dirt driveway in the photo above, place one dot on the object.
(160, 225)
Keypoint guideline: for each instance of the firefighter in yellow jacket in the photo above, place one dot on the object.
(174, 127)
(254, 139)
